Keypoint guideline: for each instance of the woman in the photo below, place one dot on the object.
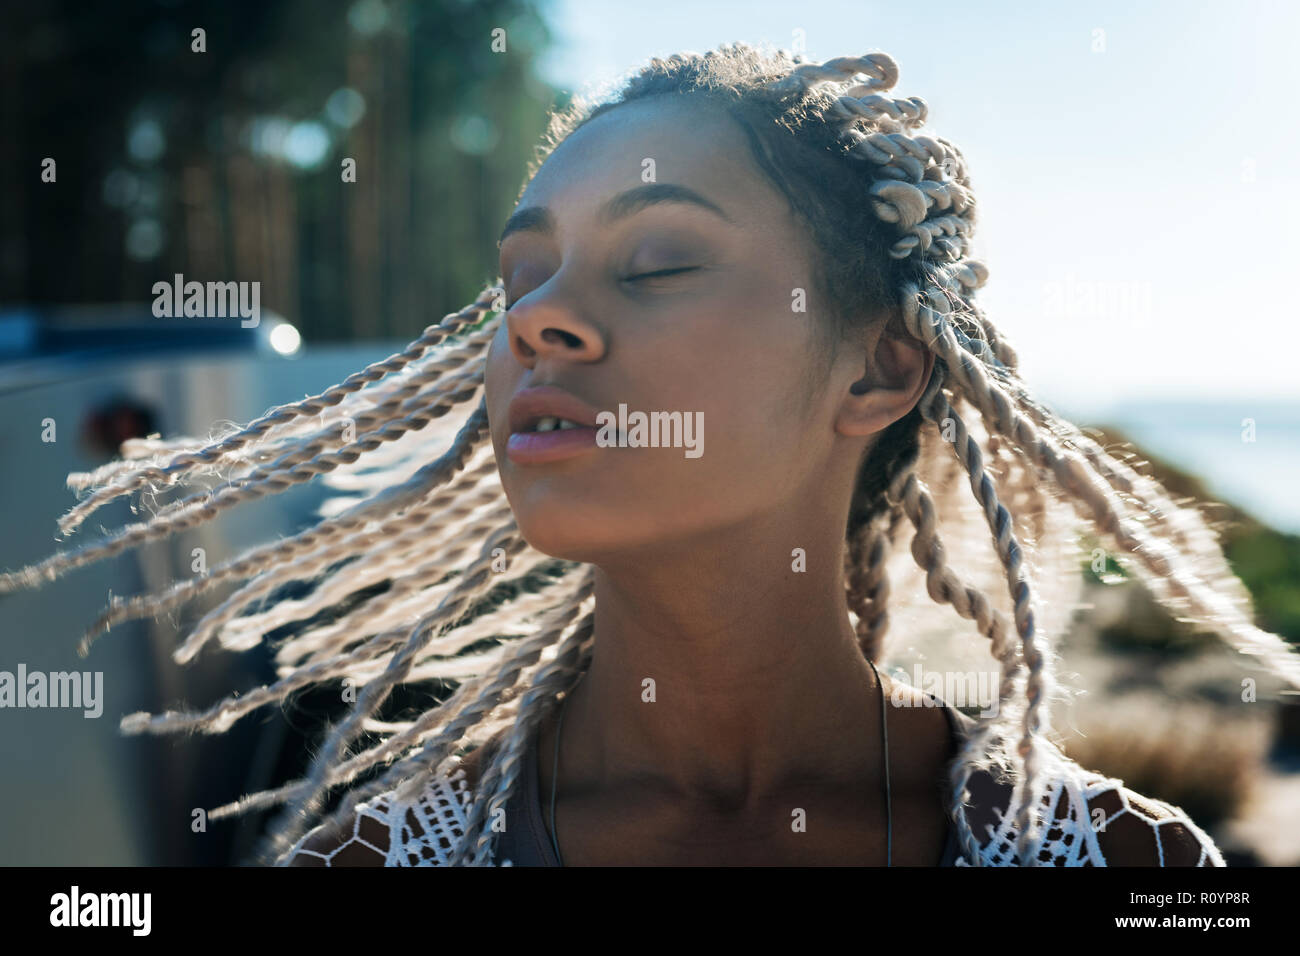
(768, 248)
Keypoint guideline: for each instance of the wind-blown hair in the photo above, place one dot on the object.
(889, 212)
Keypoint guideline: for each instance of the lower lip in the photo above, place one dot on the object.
(534, 448)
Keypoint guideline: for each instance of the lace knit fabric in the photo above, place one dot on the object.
(423, 832)
(412, 833)
(1069, 837)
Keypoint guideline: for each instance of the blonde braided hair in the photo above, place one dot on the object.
(1035, 481)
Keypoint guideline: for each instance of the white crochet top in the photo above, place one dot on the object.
(423, 832)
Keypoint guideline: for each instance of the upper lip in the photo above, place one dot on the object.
(531, 405)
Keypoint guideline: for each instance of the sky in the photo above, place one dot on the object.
(1137, 167)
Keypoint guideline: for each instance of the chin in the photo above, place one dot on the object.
(582, 530)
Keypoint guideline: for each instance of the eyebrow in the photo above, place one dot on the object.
(540, 219)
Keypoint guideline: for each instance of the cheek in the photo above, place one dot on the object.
(753, 385)
(756, 448)
(500, 376)
(743, 364)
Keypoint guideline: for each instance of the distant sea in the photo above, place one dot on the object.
(1210, 440)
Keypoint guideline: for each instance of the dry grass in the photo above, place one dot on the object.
(1192, 756)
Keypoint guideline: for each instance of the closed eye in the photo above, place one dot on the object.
(660, 273)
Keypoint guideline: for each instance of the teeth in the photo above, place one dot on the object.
(551, 423)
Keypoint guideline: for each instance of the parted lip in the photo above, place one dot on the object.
(542, 401)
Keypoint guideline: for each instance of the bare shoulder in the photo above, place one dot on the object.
(918, 718)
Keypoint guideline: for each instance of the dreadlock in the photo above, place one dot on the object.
(890, 213)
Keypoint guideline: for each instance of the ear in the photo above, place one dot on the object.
(897, 371)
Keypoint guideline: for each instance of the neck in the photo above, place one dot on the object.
(721, 676)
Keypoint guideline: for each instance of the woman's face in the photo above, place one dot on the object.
(716, 338)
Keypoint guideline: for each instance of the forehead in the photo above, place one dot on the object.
(689, 143)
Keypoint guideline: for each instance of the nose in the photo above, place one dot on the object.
(547, 328)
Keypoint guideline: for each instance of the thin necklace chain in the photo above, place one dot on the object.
(884, 730)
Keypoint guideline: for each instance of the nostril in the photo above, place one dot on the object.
(568, 338)
(523, 347)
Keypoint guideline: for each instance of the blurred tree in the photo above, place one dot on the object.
(226, 164)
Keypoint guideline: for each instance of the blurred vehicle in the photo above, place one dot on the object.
(42, 343)
(73, 384)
